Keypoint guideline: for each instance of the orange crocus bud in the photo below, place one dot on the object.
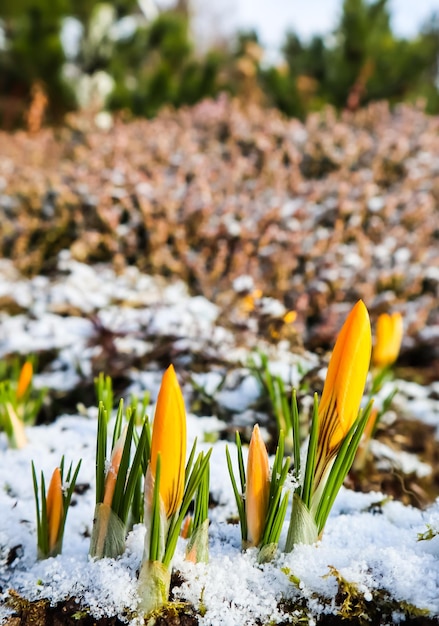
(111, 478)
(257, 488)
(186, 528)
(24, 379)
(169, 439)
(389, 331)
(344, 385)
(55, 508)
(368, 430)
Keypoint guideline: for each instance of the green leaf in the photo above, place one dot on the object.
(340, 468)
(118, 498)
(135, 474)
(117, 431)
(241, 467)
(311, 456)
(201, 507)
(101, 453)
(155, 533)
(201, 465)
(108, 534)
(239, 498)
(104, 392)
(295, 423)
(71, 480)
(302, 528)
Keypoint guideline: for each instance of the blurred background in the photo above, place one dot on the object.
(136, 56)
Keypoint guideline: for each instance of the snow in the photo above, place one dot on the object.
(371, 541)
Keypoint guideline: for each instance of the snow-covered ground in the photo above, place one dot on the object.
(369, 541)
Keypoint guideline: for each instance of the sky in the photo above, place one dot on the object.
(271, 18)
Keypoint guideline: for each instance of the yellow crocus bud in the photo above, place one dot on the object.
(169, 439)
(257, 488)
(389, 330)
(24, 379)
(55, 509)
(344, 386)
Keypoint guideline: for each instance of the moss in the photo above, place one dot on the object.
(429, 534)
(32, 613)
(173, 614)
(351, 606)
(352, 603)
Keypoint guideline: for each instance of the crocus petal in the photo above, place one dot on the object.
(24, 379)
(18, 437)
(169, 439)
(344, 385)
(388, 338)
(54, 503)
(257, 487)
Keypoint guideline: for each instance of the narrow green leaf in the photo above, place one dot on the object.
(135, 474)
(117, 504)
(200, 466)
(278, 521)
(117, 431)
(241, 467)
(295, 424)
(101, 453)
(342, 464)
(71, 480)
(37, 504)
(238, 497)
(190, 460)
(154, 546)
(274, 512)
(201, 507)
(311, 456)
(44, 521)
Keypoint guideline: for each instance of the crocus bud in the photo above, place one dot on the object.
(344, 385)
(169, 439)
(54, 504)
(257, 488)
(24, 379)
(388, 338)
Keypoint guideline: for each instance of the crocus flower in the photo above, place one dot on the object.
(344, 386)
(389, 330)
(257, 488)
(169, 439)
(55, 508)
(24, 379)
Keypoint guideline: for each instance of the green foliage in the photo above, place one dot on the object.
(33, 51)
(273, 386)
(129, 470)
(104, 393)
(118, 504)
(163, 536)
(157, 64)
(312, 504)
